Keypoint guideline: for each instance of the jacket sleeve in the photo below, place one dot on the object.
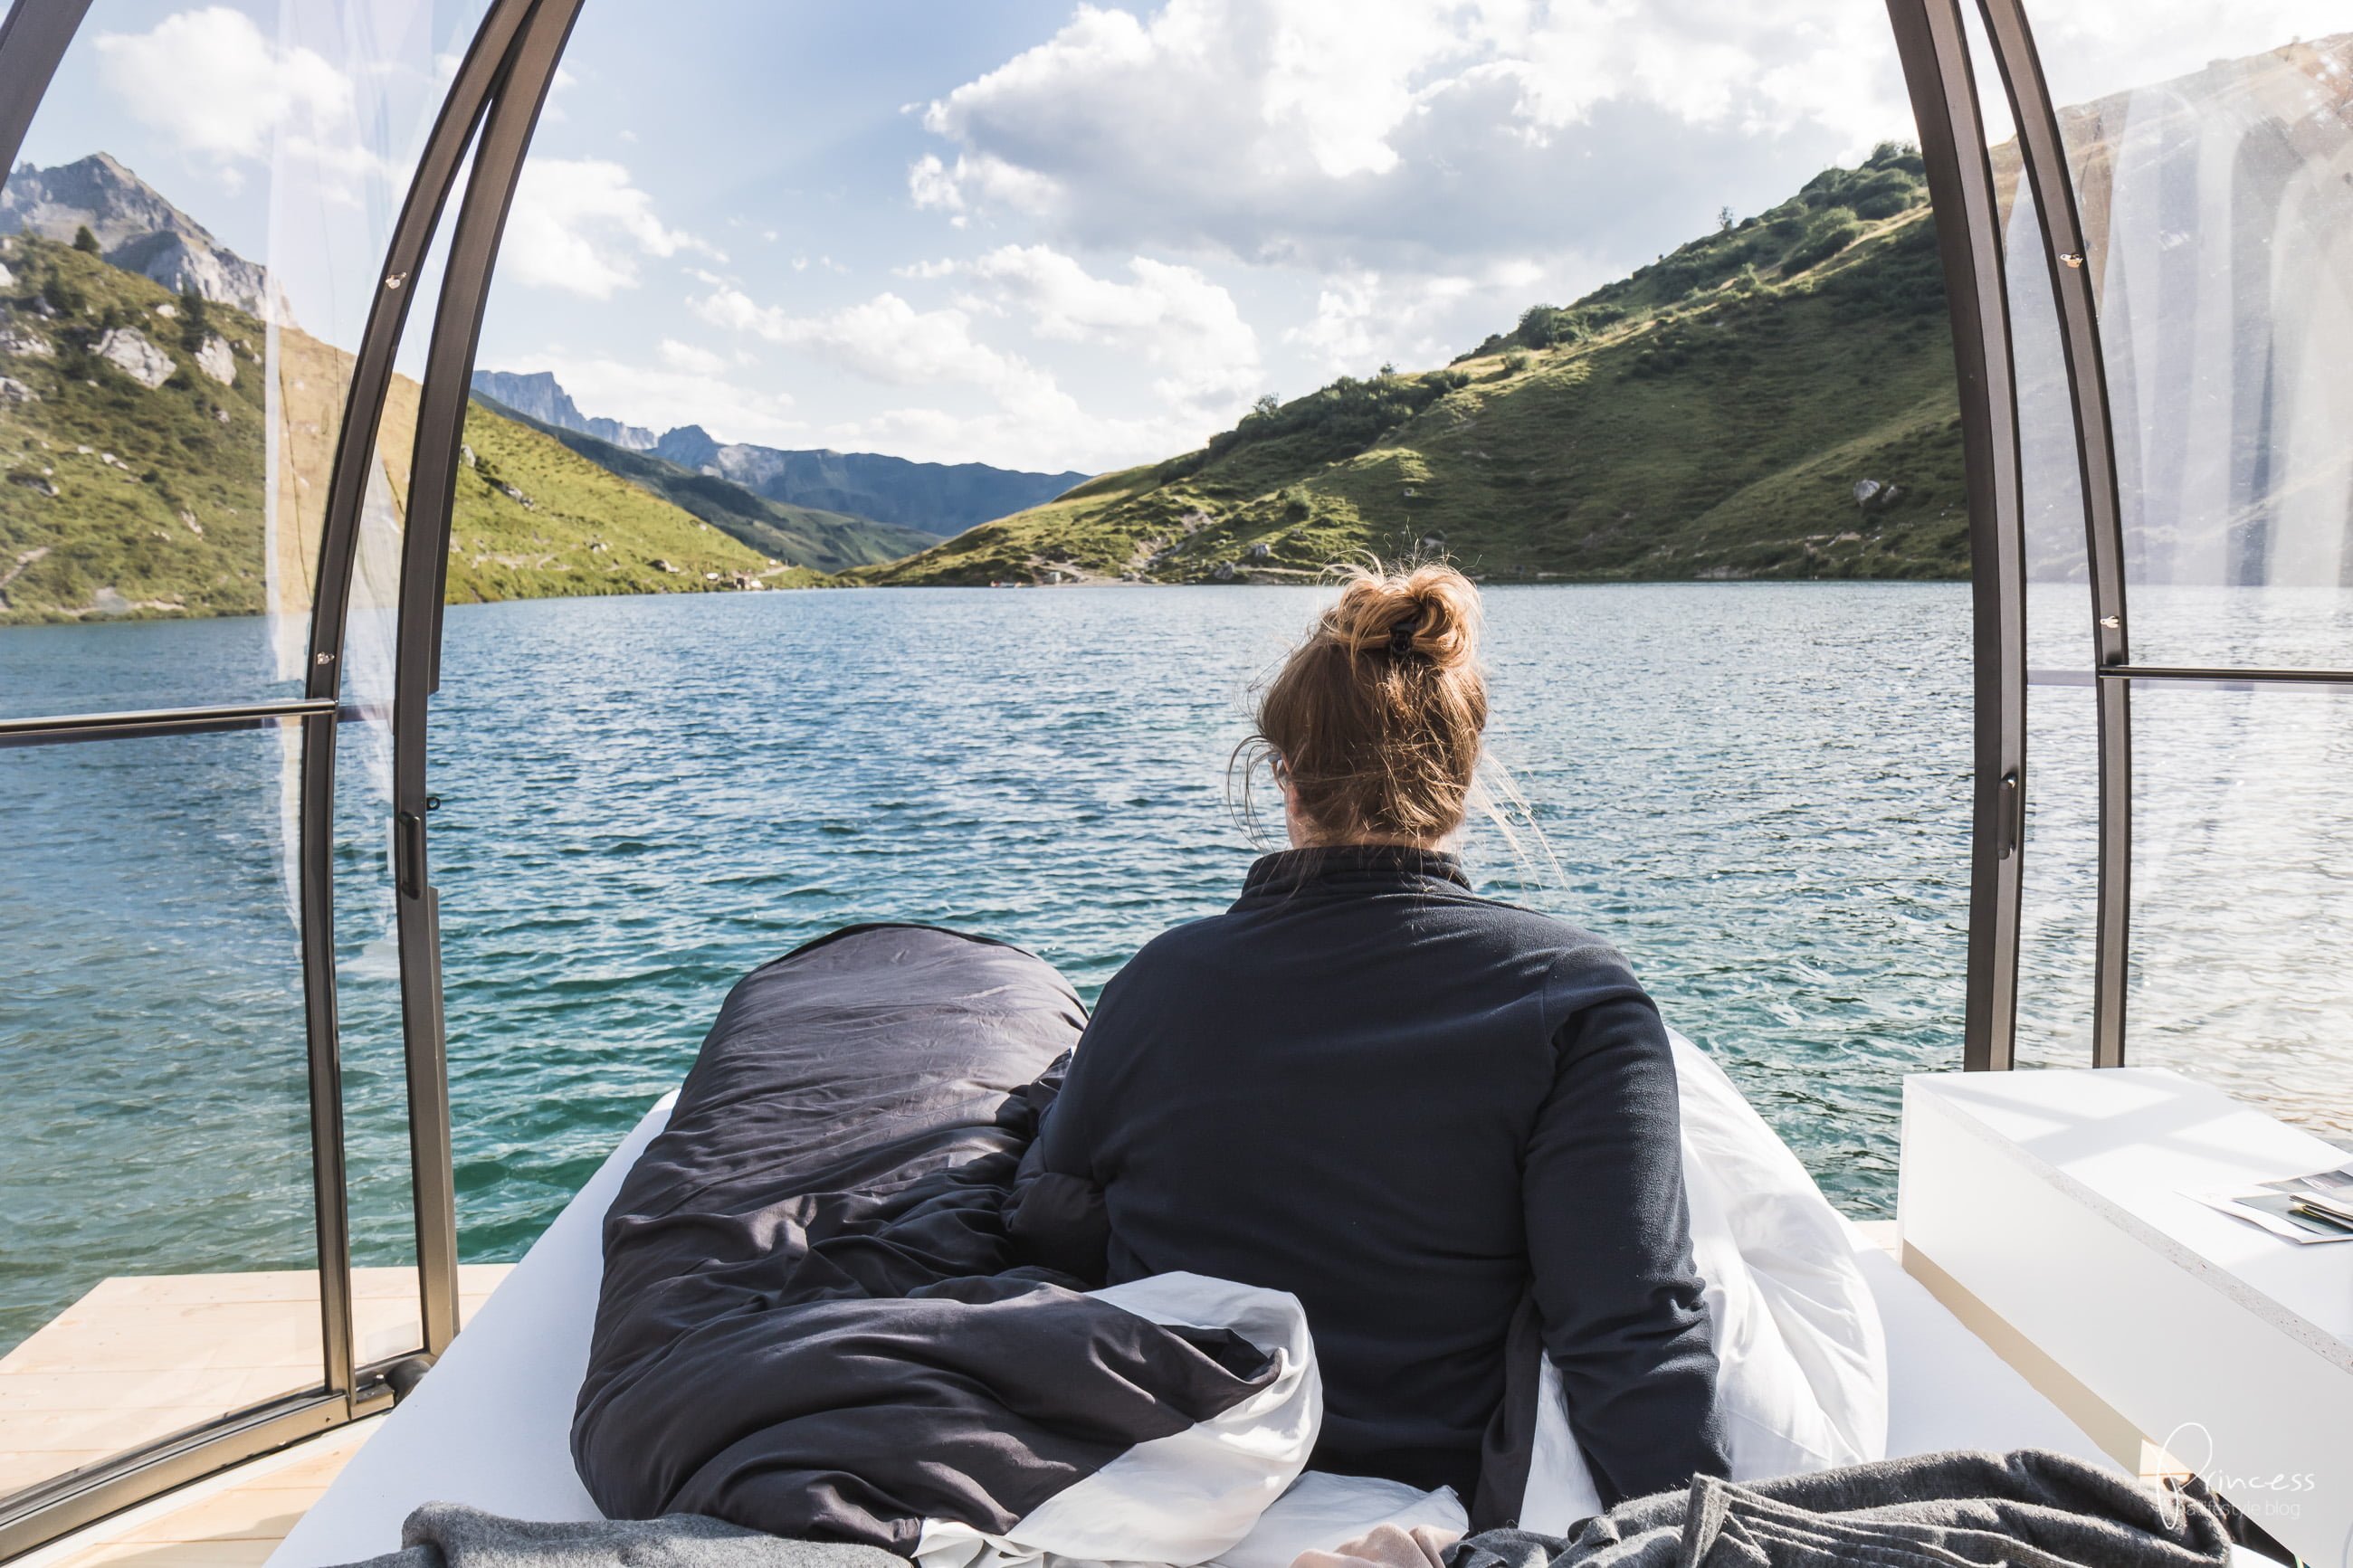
(1054, 1214)
(1610, 1241)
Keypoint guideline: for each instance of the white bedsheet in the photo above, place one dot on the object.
(490, 1425)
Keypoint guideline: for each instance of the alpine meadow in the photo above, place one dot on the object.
(1774, 400)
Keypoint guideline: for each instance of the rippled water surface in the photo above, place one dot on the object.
(1759, 791)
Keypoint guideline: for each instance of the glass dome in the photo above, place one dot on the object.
(2152, 302)
(229, 1165)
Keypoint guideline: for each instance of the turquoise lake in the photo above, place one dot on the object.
(1759, 792)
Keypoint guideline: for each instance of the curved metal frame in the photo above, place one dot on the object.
(2044, 152)
(34, 37)
(432, 492)
(462, 108)
(498, 72)
(1933, 43)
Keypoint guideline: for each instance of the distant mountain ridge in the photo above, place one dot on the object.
(136, 228)
(796, 535)
(939, 498)
(538, 394)
(936, 499)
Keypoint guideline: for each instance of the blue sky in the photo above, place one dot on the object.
(1041, 235)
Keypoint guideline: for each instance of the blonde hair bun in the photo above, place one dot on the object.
(1377, 717)
(1431, 612)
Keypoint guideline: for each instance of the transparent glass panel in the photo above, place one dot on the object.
(2060, 875)
(2242, 894)
(158, 1262)
(375, 1093)
(187, 265)
(387, 1317)
(2212, 152)
(2058, 904)
(175, 382)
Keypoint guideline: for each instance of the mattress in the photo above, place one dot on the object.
(490, 1425)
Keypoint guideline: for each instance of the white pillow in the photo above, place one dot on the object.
(1801, 1380)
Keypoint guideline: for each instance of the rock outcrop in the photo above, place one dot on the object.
(187, 265)
(23, 342)
(1873, 495)
(131, 351)
(541, 395)
(216, 360)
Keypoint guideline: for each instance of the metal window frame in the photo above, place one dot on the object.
(2042, 152)
(2050, 181)
(432, 493)
(1931, 41)
(34, 37)
(496, 70)
(64, 728)
(2228, 675)
(484, 78)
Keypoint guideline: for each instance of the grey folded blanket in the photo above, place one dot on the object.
(451, 1535)
(2030, 1509)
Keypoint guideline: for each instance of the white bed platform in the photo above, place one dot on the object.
(490, 1425)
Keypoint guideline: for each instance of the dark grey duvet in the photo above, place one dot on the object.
(813, 1321)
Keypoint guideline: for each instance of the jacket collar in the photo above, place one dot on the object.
(1355, 869)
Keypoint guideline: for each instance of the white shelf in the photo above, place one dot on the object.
(2056, 1202)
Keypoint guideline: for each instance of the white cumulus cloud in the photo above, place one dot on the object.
(216, 83)
(883, 339)
(1414, 137)
(582, 225)
(1398, 133)
(691, 358)
(1364, 318)
(1172, 317)
(980, 402)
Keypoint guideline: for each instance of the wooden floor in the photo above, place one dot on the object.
(233, 1520)
(141, 1356)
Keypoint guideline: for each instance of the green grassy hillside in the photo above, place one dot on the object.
(1710, 417)
(122, 497)
(534, 519)
(797, 535)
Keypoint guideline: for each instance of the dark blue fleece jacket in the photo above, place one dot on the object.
(1414, 1109)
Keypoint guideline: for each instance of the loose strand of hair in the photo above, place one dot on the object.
(1497, 796)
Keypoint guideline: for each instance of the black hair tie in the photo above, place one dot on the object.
(1401, 635)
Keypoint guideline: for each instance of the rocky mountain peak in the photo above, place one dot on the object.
(687, 446)
(136, 228)
(541, 395)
